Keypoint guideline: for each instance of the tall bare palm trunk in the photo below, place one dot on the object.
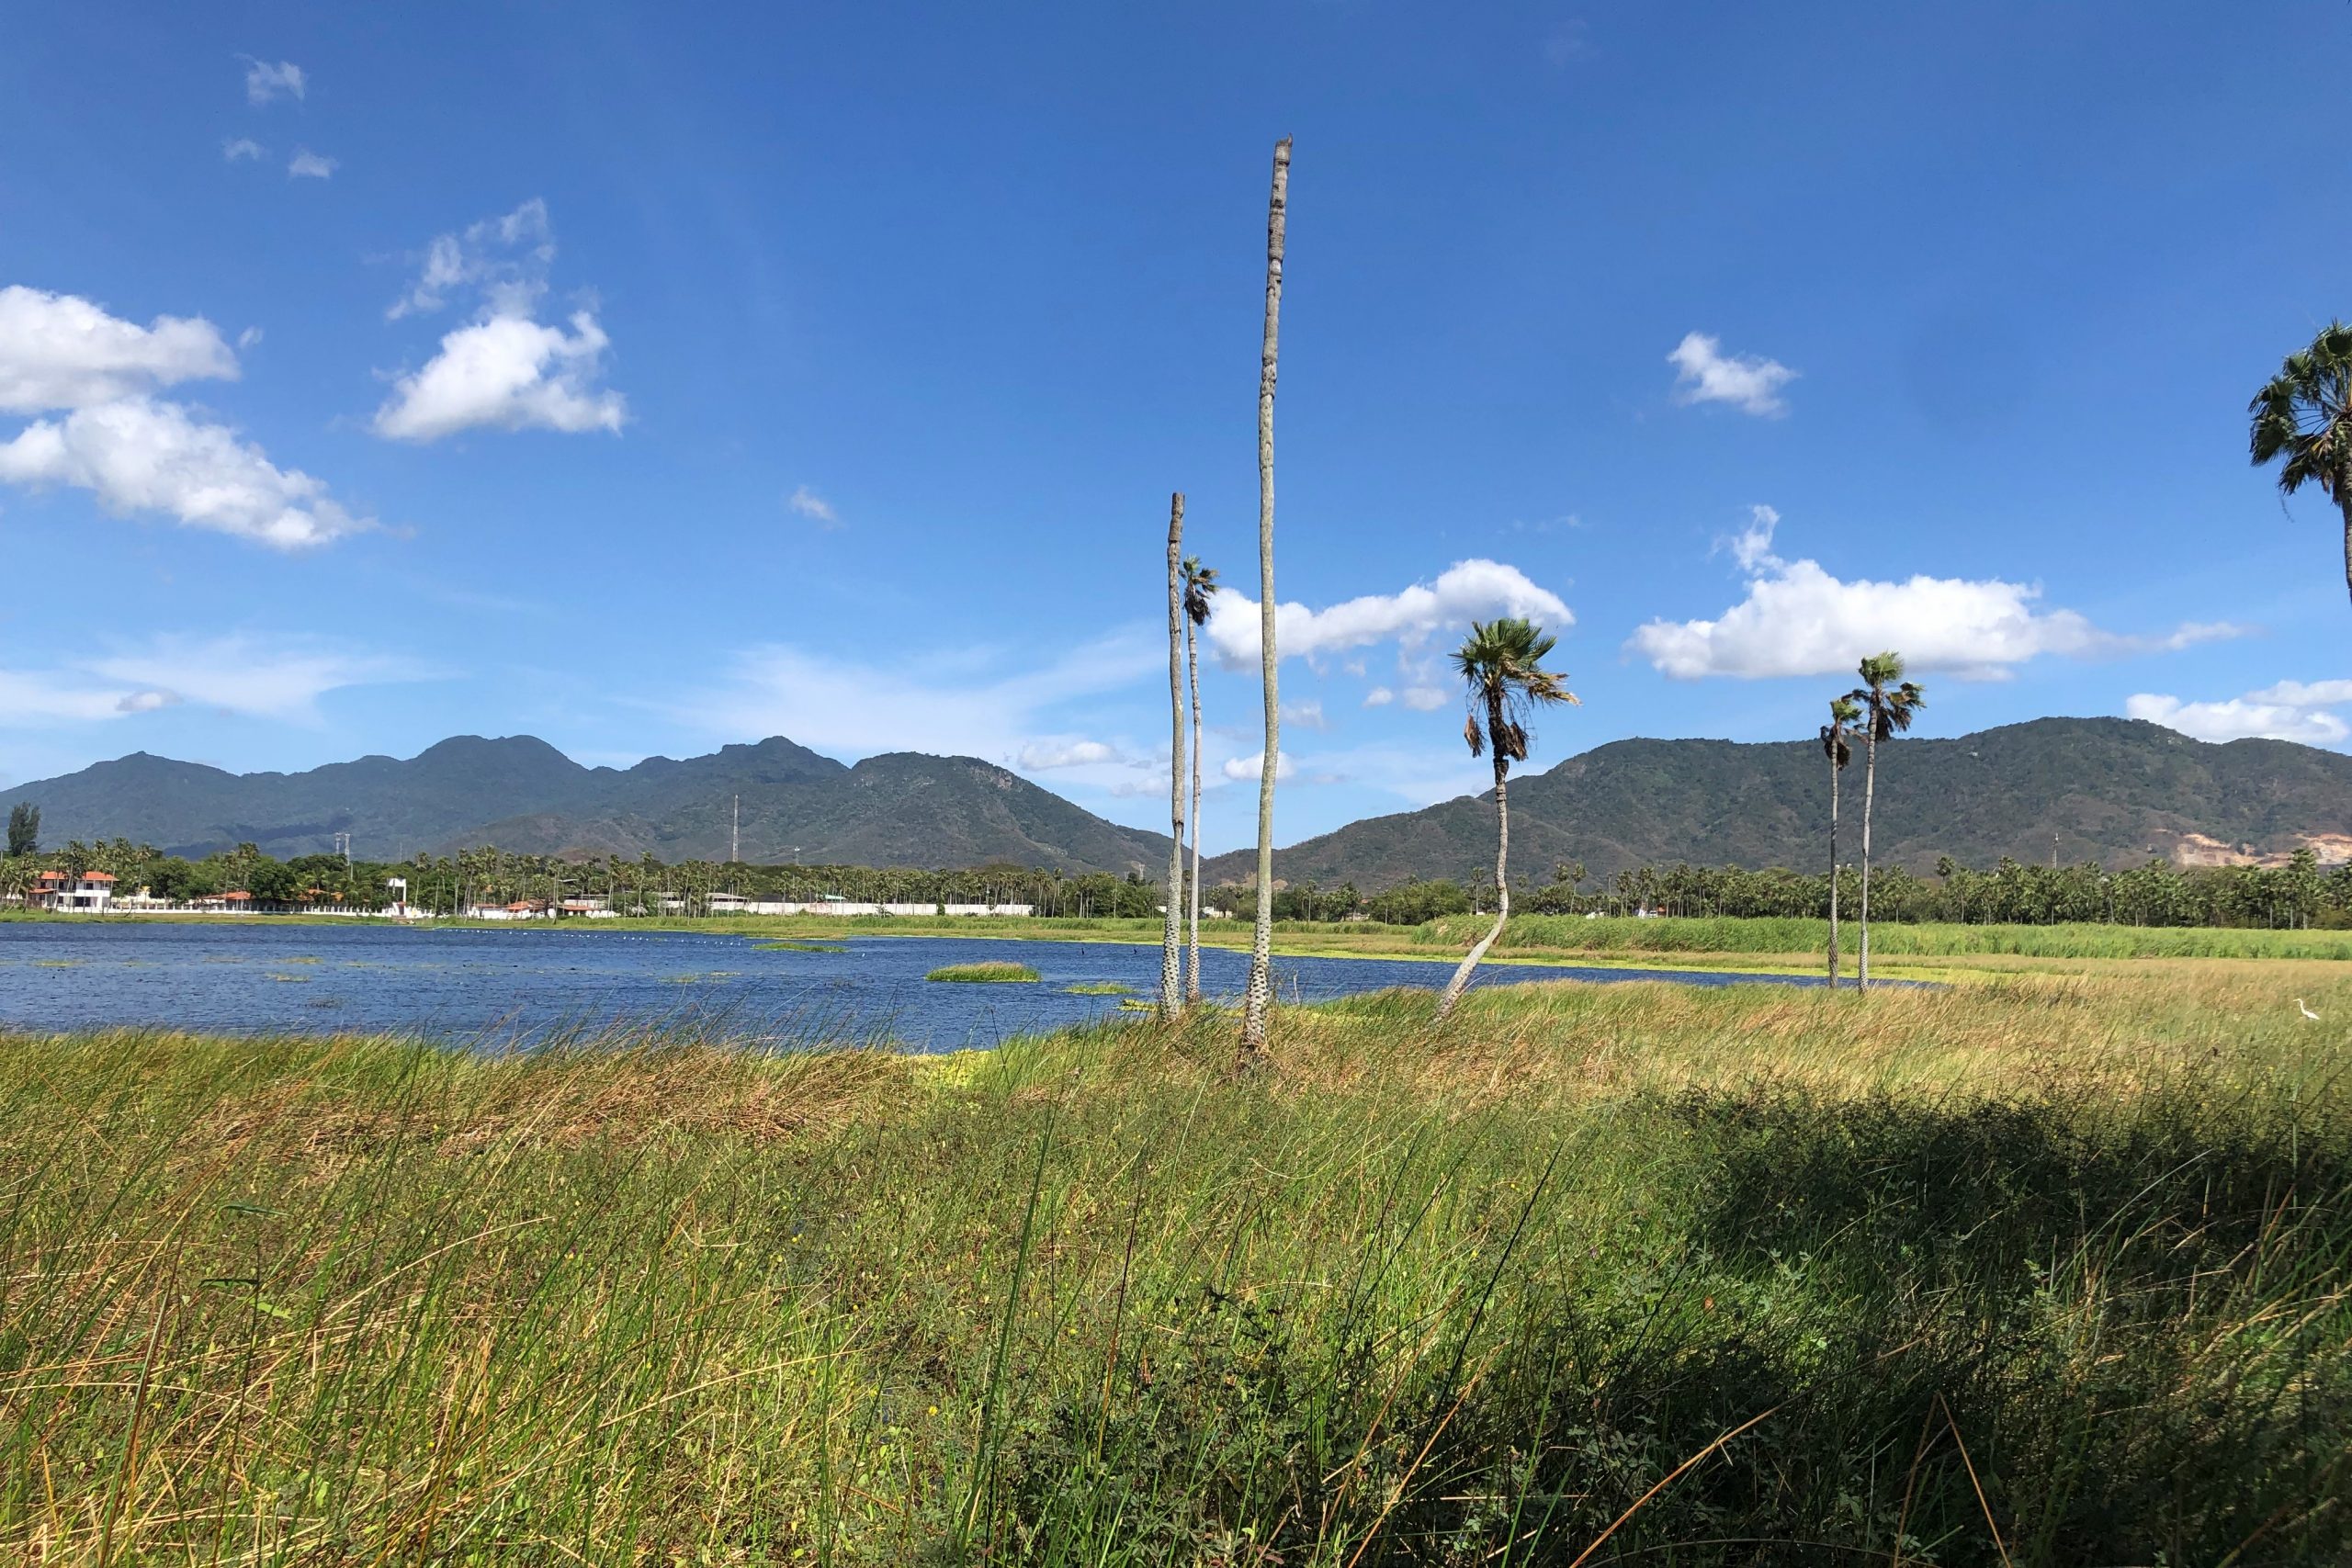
(1259, 1000)
(1172, 999)
(1192, 958)
(1870, 793)
(1834, 772)
(1461, 981)
(2344, 504)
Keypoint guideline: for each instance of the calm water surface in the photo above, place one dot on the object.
(256, 976)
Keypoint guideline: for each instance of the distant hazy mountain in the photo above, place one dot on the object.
(2117, 790)
(521, 794)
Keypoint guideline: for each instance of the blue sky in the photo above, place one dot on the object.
(650, 379)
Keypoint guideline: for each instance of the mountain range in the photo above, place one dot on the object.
(523, 794)
(2114, 790)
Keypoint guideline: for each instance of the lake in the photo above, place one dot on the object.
(258, 976)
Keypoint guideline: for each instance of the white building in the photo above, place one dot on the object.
(88, 894)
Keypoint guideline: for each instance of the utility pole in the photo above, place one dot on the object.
(735, 840)
(2053, 848)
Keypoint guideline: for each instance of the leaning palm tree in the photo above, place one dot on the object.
(1200, 588)
(1502, 666)
(2304, 415)
(1172, 930)
(1258, 1001)
(1842, 714)
(1885, 714)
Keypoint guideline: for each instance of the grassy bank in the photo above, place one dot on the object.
(2065, 1259)
(1565, 934)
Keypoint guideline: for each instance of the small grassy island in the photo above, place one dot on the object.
(1095, 988)
(994, 971)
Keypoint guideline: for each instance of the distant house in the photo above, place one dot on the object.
(88, 894)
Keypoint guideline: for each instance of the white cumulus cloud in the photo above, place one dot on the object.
(265, 80)
(504, 370)
(308, 165)
(153, 456)
(1704, 374)
(1379, 697)
(60, 351)
(1797, 619)
(134, 452)
(507, 373)
(1466, 591)
(2292, 710)
(240, 148)
(137, 455)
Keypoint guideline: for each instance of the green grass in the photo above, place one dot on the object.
(1565, 933)
(991, 971)
(1097, 989)
(798, 947)
(1414, 1296)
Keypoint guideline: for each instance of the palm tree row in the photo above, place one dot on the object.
(1188, 590)
(2301, 419)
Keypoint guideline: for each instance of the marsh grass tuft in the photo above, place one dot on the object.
(2064, 1257)
(1098, 989)
(992, 970)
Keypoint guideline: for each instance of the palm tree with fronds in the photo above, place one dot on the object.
(1835, 735)
(1888, 704)
(2304, 417)
(1501, 667)
(1200, 590)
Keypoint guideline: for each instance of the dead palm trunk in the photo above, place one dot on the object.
(1834, 772)
(1259, 1000)
(2344, 504)
(1171, 1001)
(1870, 791)
(1193, 960)
(1461, 981)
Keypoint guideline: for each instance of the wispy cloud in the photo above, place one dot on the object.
(265, 82)
(242, 149)
(959, 702)
(309, 165)
(808, 504)
(254, 676)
